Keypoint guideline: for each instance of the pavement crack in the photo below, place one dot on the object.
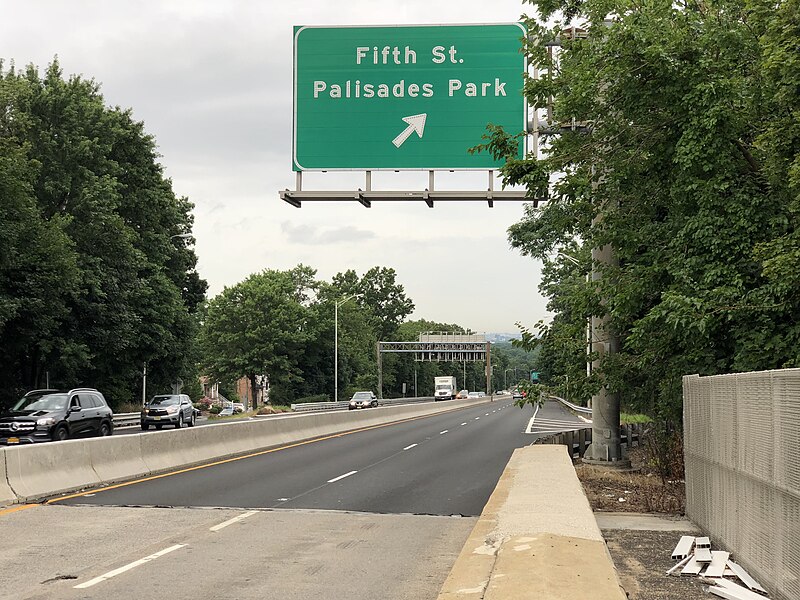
(59, 578)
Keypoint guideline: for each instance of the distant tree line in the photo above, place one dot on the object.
(280, 324)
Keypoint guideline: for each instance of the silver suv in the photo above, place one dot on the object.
(168, 409)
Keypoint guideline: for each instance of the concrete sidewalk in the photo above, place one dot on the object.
(537, 538)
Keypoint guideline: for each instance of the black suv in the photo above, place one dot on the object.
(44, 415)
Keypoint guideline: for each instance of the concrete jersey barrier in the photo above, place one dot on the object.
(42, 470)
(536, 538)
(6, 493)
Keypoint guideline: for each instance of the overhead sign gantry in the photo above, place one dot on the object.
(404, 98)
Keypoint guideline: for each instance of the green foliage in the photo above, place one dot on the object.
(380, 294)
(688, 164)
(258, 327)
(306, 399)
(626, 419)
(91, 283)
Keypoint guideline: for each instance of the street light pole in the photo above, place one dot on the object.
(336, 306)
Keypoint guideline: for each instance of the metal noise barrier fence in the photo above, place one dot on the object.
(343, 404)
(578, 440)
(743, 471)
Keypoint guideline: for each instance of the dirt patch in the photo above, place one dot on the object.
(643, 557)
(640, 490)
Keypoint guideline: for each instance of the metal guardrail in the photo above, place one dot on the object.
(127, 419)
(578, 440)
(343, 404)
(571, 406)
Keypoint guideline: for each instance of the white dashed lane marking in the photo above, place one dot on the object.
(128, 567)
(443, 432)
(409, 447)
(463, 424)
(224, 524)
(335, 479)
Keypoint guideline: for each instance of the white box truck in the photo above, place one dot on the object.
(444, 388)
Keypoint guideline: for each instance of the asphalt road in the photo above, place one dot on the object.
(362, 515)
(447, 464)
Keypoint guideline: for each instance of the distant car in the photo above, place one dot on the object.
(517, 394)
(168, 409)
(44, 415)
(481, 394)
(363, 400)
(475, 394)
(502, 393)
(462, 394)
(238, 407)
(226, 412)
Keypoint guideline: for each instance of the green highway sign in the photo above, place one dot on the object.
(404, 97)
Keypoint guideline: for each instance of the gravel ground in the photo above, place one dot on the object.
(642, 552)
(642, 557)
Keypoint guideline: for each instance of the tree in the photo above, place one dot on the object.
(379, 292)
(258, 326)
(105, 215)
(688, 151)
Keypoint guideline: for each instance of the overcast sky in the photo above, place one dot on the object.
(212, 81)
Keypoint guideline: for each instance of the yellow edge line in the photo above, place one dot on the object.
(220, 462)
(16, 508)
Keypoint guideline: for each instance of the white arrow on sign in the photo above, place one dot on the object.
(415, 123)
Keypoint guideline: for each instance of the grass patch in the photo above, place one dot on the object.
(627, 419)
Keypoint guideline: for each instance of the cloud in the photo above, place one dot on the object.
(314, 236)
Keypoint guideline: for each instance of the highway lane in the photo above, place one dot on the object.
(59, 552)
(274, 541)
(442, 465)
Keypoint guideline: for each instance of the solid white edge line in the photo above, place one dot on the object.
(335, 479)
(232, 521)
(549, 431)
(530, 423)
(409, 447)
(127, 567)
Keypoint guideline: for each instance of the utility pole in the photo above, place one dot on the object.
(144, 384)
(606, 447)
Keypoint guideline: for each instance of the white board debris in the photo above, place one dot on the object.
(702, 555)
(684, 547)
(695, 558)
(717, 566)
(745, 577)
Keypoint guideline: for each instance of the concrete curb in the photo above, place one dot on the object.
(536, 538)
(37, 471)
(6, 493)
